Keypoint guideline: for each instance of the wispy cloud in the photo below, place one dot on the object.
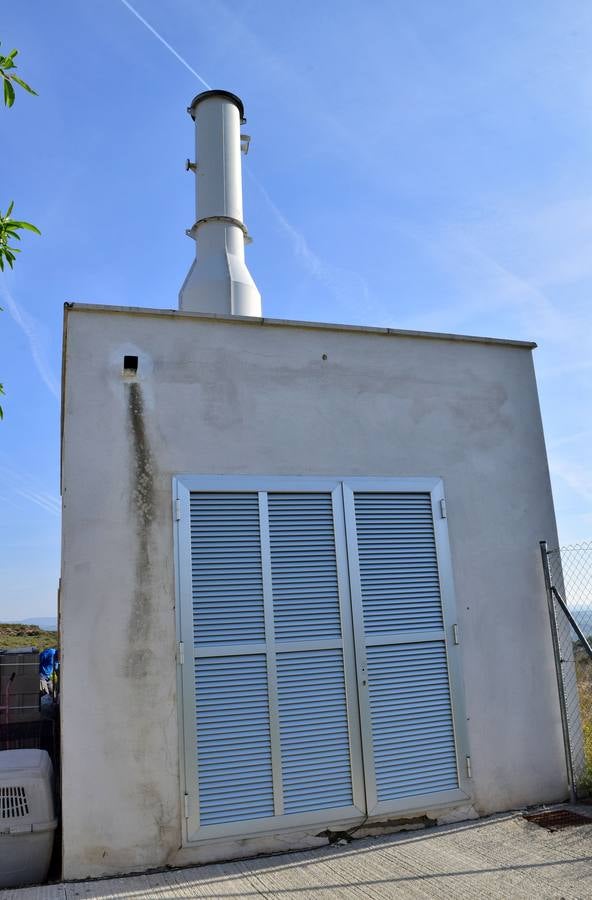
(568, 367)
(25, 485)
(286, 74)
(574, 438)
(514, 293)
(345, 285)
(7, 499)
(45, 501)
(32, 330)
(576, 476)
(484, 285)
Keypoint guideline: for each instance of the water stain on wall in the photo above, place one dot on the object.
(143, 511)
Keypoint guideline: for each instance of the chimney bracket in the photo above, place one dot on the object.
(227, 220)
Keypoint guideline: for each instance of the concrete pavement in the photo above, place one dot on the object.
(504, 856)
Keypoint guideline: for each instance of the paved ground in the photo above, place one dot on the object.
(503, 857)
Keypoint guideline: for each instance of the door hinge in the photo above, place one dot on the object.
(455, 636)
(186, 805)
(469, 768)
(181, 652)
(442, 508)
(177, 510)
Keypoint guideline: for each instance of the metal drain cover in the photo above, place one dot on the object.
(556, 819)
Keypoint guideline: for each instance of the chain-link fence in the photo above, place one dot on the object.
(568, 572)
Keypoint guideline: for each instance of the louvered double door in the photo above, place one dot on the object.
(318, 686)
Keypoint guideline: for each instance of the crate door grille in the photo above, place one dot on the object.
(410, 743)
(273, 693)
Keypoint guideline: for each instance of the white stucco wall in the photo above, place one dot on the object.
(231, 396)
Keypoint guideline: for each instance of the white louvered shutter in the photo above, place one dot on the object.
(405, 699)
(235, 779)
(313, 715)
(274, 699)
(316, 674)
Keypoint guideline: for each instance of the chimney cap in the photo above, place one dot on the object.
(217, 93)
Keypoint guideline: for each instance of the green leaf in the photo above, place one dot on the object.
(10, 208)
(8, 61)
(8, 93)
(27, 226)
(24, 84)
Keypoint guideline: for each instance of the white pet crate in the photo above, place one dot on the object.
(27, 816)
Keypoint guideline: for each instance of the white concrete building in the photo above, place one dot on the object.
(301, 584)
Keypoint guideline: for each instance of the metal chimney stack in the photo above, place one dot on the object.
(218, 280)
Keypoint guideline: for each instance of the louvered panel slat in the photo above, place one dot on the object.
(226, 569)
(398, 563)
(303, 566)
(316, 765)
(233, 739)
(413, 736)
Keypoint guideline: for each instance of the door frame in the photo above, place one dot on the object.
(183, 486)
(353, 642)
(449, 635)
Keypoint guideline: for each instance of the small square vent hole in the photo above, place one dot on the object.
(130, 365)
(556, 819)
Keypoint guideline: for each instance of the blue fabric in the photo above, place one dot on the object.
(46, 662)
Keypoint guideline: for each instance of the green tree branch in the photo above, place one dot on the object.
(6, 64)
(9, 229)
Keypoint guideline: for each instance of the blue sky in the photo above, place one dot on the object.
(413, 163)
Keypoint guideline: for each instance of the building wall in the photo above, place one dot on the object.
(216, 396)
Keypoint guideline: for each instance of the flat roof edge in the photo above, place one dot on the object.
(292, 323)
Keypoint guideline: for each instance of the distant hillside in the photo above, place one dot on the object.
(15, 634)
(46, 623)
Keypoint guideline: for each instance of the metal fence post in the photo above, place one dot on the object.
(558, 672)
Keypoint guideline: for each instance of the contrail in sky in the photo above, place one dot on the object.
(28, 324)
(340, 282)
(166, 43)
(27, 486)
(315, 266)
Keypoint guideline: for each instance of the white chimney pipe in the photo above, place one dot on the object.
(218, 280)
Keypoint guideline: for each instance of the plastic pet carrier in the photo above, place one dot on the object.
(27, 816)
